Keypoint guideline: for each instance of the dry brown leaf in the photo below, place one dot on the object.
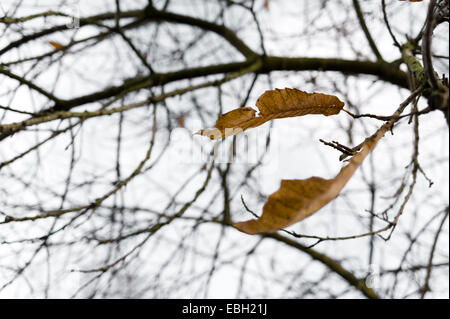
(297, 199)
(56, 45)
(274, 104)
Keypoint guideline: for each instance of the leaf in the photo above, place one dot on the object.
(56, 45)
(273, 104)
(297, 199)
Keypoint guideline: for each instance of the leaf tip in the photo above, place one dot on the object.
(213, 133)
(249, 227)
(56, 45)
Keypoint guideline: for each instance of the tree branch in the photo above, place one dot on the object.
(332, 264)
(362, 22)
